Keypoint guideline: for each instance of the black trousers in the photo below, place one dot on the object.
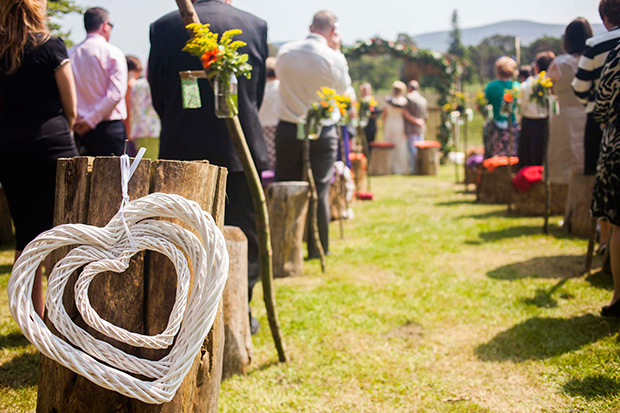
(107, 139)
(289, 167)
(240, 213)
(591, 145)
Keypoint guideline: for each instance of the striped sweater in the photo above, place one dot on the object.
(590, 66)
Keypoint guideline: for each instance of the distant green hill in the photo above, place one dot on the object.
(527, 31)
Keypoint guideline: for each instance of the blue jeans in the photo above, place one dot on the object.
(413, 150)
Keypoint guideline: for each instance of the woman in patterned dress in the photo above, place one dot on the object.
(606, 194)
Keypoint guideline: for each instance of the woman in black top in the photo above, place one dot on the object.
(37, 111)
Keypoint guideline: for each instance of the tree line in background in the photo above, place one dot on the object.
(381, 71)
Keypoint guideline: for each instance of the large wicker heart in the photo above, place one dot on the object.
(109, 249)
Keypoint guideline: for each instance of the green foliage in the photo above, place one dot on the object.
(380, 71)
(57, 9)
(484, 55)
(456, 45)
(528, 53)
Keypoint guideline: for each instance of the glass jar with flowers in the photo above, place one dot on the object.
(223, 64)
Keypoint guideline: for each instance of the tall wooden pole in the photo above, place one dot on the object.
(188, 14)
(313, 228)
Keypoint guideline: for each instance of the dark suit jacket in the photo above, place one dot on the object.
(192, 134)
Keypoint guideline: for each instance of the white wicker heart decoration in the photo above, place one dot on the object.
(110, 249)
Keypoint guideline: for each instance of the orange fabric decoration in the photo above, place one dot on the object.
(427, 144)
(491, 163)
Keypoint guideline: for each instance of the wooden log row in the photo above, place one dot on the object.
(287, 203)
(88, 191)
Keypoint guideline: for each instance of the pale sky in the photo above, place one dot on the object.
(359, 19)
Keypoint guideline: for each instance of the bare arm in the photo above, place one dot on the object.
(66, 88)
(554, 72)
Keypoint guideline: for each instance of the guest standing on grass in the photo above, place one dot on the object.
(585, 83)
(606, 193)
(142, 123)
(268, 114)
(415, 124)
(565, 148)
(37, 111)
(304, 67)
(101, 83)
(534, 117)
(371, 128)
(497, 139)
(195, 134)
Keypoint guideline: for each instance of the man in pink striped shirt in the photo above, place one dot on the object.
(100, 71)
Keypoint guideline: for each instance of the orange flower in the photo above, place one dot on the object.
(324, 104)
(210, 57)
(507, 97)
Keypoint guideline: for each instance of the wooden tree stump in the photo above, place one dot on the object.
(577, 219)
(287, 203)
(6, 225)
(88, 191)
(381, 158)
(427, 158)
(237, 337)
(360, 174)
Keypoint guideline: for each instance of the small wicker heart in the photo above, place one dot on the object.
(108, 249)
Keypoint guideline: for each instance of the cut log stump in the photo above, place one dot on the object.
(577, 219)
(237, 337)
(287, 203)
(360, 174)
(88, 191)
(427, 158)
(6, 225)
(381, 158)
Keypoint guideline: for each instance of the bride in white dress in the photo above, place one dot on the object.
(394, 127)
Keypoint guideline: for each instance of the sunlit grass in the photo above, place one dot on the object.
(431, 302)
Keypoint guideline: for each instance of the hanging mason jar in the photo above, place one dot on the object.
(225, 88)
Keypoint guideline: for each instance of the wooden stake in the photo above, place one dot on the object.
(188, 13)
(313, 228)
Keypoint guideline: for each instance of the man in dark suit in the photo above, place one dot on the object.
(193, 134)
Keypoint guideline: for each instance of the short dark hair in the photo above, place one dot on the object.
(544, 59)
(576, 34)
(94, 18)
(525, 71)
(133, 63)
(611, 10)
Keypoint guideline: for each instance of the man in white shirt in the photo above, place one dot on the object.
(304, 67)
(100, 71)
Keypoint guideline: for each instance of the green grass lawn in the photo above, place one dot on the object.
(431, 303)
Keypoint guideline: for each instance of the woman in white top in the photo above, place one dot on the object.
(534, 121)
(565, 150)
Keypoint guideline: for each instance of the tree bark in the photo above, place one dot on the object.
(288, 208)
(238, 339)
(138, 299)
(427, 162)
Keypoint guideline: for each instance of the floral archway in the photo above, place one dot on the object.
(419, 62)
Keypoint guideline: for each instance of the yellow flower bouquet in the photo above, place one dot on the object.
(222, 62)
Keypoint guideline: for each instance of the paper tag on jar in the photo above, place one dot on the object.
(191, 93)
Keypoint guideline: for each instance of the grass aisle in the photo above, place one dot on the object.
(431, 303)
